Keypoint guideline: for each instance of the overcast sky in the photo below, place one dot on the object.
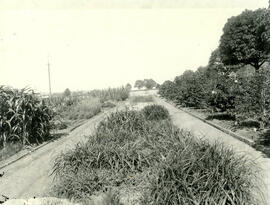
(107, 43)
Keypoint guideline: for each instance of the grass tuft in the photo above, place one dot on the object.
(155, 112)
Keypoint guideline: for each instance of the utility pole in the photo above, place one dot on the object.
(49, 74)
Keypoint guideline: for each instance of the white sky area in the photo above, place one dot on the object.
(100, 43)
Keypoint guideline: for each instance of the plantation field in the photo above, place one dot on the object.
(141, 155)
(121, 157)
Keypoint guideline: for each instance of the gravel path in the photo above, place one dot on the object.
(200, 129)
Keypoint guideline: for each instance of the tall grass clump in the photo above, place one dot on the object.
(155, 112)
(166, 165)
(24, 117)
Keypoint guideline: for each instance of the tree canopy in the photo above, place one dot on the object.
(128, 86)
(246, 39)
(148, 83)
(139, 84)
(67, 92)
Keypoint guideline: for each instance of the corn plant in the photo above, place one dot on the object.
(23, 116)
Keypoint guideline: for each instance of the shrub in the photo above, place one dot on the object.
(155, 112)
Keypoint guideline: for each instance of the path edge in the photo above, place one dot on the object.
(243, 139)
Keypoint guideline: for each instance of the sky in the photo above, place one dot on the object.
(94, 44)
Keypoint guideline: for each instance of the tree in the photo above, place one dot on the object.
(149, 83)
(168, 90)
(128, 86)
(67, 93)
(139, 84)
(246, 39)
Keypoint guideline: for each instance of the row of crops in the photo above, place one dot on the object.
(142, 158)
(26, 118)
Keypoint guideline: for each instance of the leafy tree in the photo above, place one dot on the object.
(168, 90)
(246, 39)
(253, 96)
(128, 86)
(139, 84)
(149, 83)
(67, 93)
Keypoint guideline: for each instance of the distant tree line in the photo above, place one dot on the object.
(237, 78)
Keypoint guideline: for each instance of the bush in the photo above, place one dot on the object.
(155, 112)
(168, 165)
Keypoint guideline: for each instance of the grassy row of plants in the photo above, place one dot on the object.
(143, 152)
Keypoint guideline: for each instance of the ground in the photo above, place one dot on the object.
(30, 176)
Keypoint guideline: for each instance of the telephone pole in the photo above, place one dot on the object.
(49, 74)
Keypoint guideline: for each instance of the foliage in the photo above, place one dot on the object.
(67, 93)
(246, 39)
(253, 96)
(108, 104)
(128, 86)
(86, 105)
(141, 99)
(85, 109)
(114, 94)
(169, 166)
(155, 112)
(147, 83)
(24, 117)
(227, 83)
(168, 90)
(139, 84)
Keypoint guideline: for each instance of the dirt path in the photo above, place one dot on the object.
(203, 130)
(30, 176)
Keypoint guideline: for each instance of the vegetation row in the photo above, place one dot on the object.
(26, 118)
(144, 154)
(236, 80)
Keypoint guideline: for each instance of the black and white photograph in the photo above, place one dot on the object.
(135, 102)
